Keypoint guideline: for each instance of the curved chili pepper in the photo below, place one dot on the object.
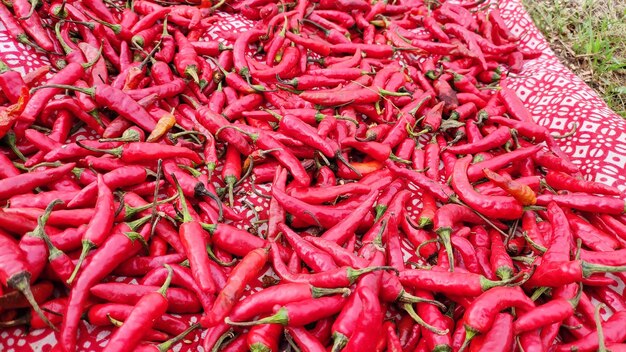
(491, 206)
(182, 277)
(500, 336)
(495, 139)
(340, 277)
(118, 247)
(446, 218)
(316, 259)
(146, 311)
(114, 99)
(242, 274)
(470, 260)
(441, 191)
(480, 316)
(551, 312)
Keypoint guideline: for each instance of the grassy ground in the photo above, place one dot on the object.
(589, 36)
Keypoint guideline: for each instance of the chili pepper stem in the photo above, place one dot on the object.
(192, 71)
(280, 317)
(115, 151)
(167, 345)
(230, 183)
(408, 298)
(534, 244)
(130, 212)
(87, 246)
(317, 292)
(212, 255)
(16, 322)
(21, 282)
(487, 284)
(168, 280)
(590, 269)
(598, 319)
(339, 342)
(444, 235)
(183, 202)
(89, 91)
(469, 335)
(409, 309)
(200, 189)
(220, 341)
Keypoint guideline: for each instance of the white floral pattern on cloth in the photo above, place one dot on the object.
(556, 97)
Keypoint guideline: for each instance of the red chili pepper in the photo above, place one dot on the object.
(501, 336)
(316, 259)
(585, 202)
(265, 300)
(299, 313)
(99, 315)
(193, 238)
(475, 171)
(146, 311)
(457, 283)
(440, 191)
(491, 206)
(438, 338)
(563, 181)
(180, 300)
(611, 331)
(326, 216)
(495, 139)
(264, 337)
(27, 182)
(100, 225)
(242, 274)
(111, 98)
(481, 315)
(15, 271)
(117, 248)
(468, 253)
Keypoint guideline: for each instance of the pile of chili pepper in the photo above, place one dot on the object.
(338, 115)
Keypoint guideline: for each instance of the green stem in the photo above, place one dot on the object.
(167, 345)
(168, 280)
(183, 202)
(21, 282)
(280, 317)
(409, 309)
(87, 246)
(444, 235)
(598, 319)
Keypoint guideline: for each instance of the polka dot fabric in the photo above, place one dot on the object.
(555, 96)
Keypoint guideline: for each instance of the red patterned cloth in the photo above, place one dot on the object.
(556, 97)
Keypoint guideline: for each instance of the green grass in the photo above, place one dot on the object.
(589, 36)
